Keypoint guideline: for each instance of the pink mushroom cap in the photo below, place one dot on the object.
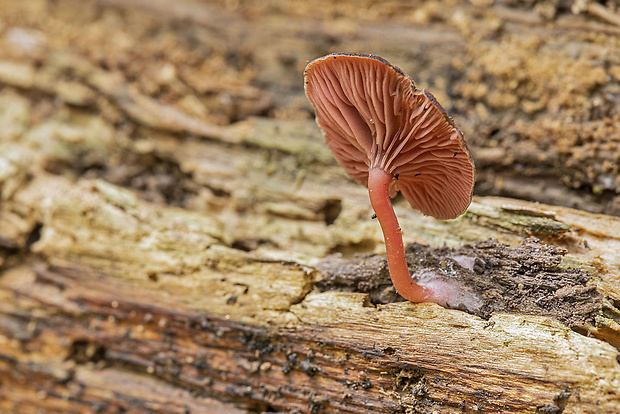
(373, 116)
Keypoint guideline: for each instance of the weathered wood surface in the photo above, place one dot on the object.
(167, 208)
(140, 288)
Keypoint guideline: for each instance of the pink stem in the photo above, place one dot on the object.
(379, 192)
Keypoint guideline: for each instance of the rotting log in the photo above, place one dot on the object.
(165, 246)
(114, 288)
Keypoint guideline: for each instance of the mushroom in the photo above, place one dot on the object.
(390, 136)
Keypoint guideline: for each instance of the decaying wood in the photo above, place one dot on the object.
(176, 237)
(121, 287)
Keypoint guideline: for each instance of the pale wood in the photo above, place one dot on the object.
(145, 270)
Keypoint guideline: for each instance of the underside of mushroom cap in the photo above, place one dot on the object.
(372, 116)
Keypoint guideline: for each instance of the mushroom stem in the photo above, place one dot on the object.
(379, 192)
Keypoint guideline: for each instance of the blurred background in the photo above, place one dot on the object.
(533, 84)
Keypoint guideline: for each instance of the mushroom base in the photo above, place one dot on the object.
(447, 292)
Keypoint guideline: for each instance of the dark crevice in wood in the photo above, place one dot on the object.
(527, 279)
